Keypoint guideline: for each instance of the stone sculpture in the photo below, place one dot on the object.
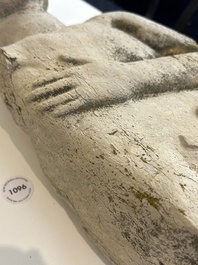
(111, 108)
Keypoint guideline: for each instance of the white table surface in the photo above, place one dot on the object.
(42, 230)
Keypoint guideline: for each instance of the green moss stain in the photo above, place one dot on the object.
(153, 201)
(133, 206)
(181, 211)
(114, 152)
(183, 186)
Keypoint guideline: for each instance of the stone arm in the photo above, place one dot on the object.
(135, 177)
(102, 84)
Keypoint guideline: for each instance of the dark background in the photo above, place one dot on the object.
(181, 15)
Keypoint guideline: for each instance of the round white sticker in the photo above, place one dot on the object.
(17, 190)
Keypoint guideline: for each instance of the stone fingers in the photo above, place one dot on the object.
(51, 89)
(66, 109)
(52, 103)
(53, 95)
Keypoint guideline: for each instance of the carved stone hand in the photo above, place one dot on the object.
(100, 102)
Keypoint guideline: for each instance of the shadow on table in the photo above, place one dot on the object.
(10, 255)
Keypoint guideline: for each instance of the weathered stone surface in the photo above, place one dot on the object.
(114, 122)
(9, 7)
(21, 18)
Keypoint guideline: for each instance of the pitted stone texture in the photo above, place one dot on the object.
(22, 18)
(8, 7)
(114, 122)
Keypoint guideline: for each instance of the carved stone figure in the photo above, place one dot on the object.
(111, 108)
